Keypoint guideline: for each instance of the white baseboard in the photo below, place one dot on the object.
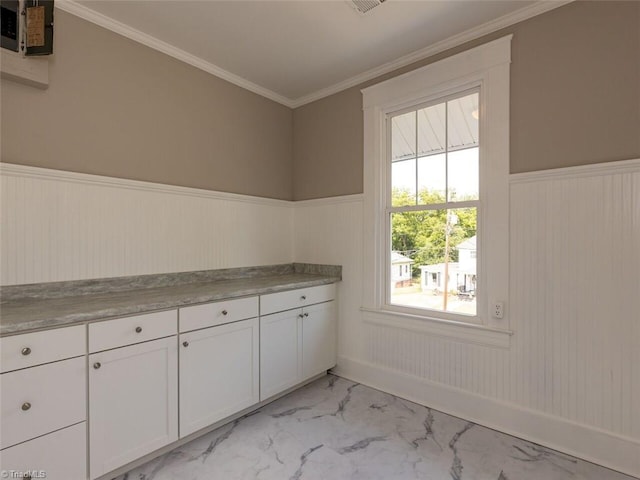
(591, 444)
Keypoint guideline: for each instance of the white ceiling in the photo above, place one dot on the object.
(297, 51)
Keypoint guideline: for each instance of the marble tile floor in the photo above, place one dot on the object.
(334, 429)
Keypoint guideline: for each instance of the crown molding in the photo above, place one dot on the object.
(74, 8)
(81, 11)
(507, 20)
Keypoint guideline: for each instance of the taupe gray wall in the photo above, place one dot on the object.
(117, 108)
(575, 99)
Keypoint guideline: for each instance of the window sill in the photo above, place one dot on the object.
(462, 332)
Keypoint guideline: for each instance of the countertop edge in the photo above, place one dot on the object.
(143, 307)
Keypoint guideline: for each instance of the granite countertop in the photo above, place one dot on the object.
(36, 307)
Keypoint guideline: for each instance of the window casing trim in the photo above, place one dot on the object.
(485, 67)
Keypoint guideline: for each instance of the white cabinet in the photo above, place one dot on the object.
(129, 330)
(296, 343)
(30, 349)
(280, 352)
(301, 297)
(217, 313)
(43, 404)
(318, 339)
(153, 378)
(60, 455)
(219, 373)
(42, 399)
(133, 402)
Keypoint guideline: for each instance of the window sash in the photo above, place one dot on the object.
(426, 312)
(415, 108)
(389, 209)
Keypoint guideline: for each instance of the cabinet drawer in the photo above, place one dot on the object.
(29, 349)
(278, 302)
(60, 455)
(217, 313)
(130, 330)
(41, 399)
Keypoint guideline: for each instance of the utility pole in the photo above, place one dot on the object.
(446, 265)
(452, 219)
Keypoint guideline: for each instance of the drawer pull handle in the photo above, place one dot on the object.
(26, 406)
(303, 297)
(97, 365)
(224, 312)
(138, 329)
(300, 316)
(185, 344)
(26, 351)
(306, 314)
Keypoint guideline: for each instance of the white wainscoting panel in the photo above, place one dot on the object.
(575, 276)
(571, 377)
(329, 231)
(66, 226)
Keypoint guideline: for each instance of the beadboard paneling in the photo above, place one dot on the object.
(575, 275)
(574, 360)
(331, 229)
(65, 226)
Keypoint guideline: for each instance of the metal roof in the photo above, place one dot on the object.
(430, 135)
(468, 244)
(398, 258)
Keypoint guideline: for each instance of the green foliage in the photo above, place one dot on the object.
(421, 235)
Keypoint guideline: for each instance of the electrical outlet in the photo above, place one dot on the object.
(498, 310)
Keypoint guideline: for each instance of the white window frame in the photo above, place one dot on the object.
(446, 205)
(486, 67)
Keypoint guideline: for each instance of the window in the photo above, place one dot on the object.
(432, 205)
(436, 144)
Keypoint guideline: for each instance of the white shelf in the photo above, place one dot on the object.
(33, 71)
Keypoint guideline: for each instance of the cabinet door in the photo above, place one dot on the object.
(133, 402)
(318, 339)
(280, 360)
(218, 373)
(57, 456)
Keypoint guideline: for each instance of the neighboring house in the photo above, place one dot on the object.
(467, 254)
(462, 274)
(432, 277)
(466, 274)
(400, 270)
